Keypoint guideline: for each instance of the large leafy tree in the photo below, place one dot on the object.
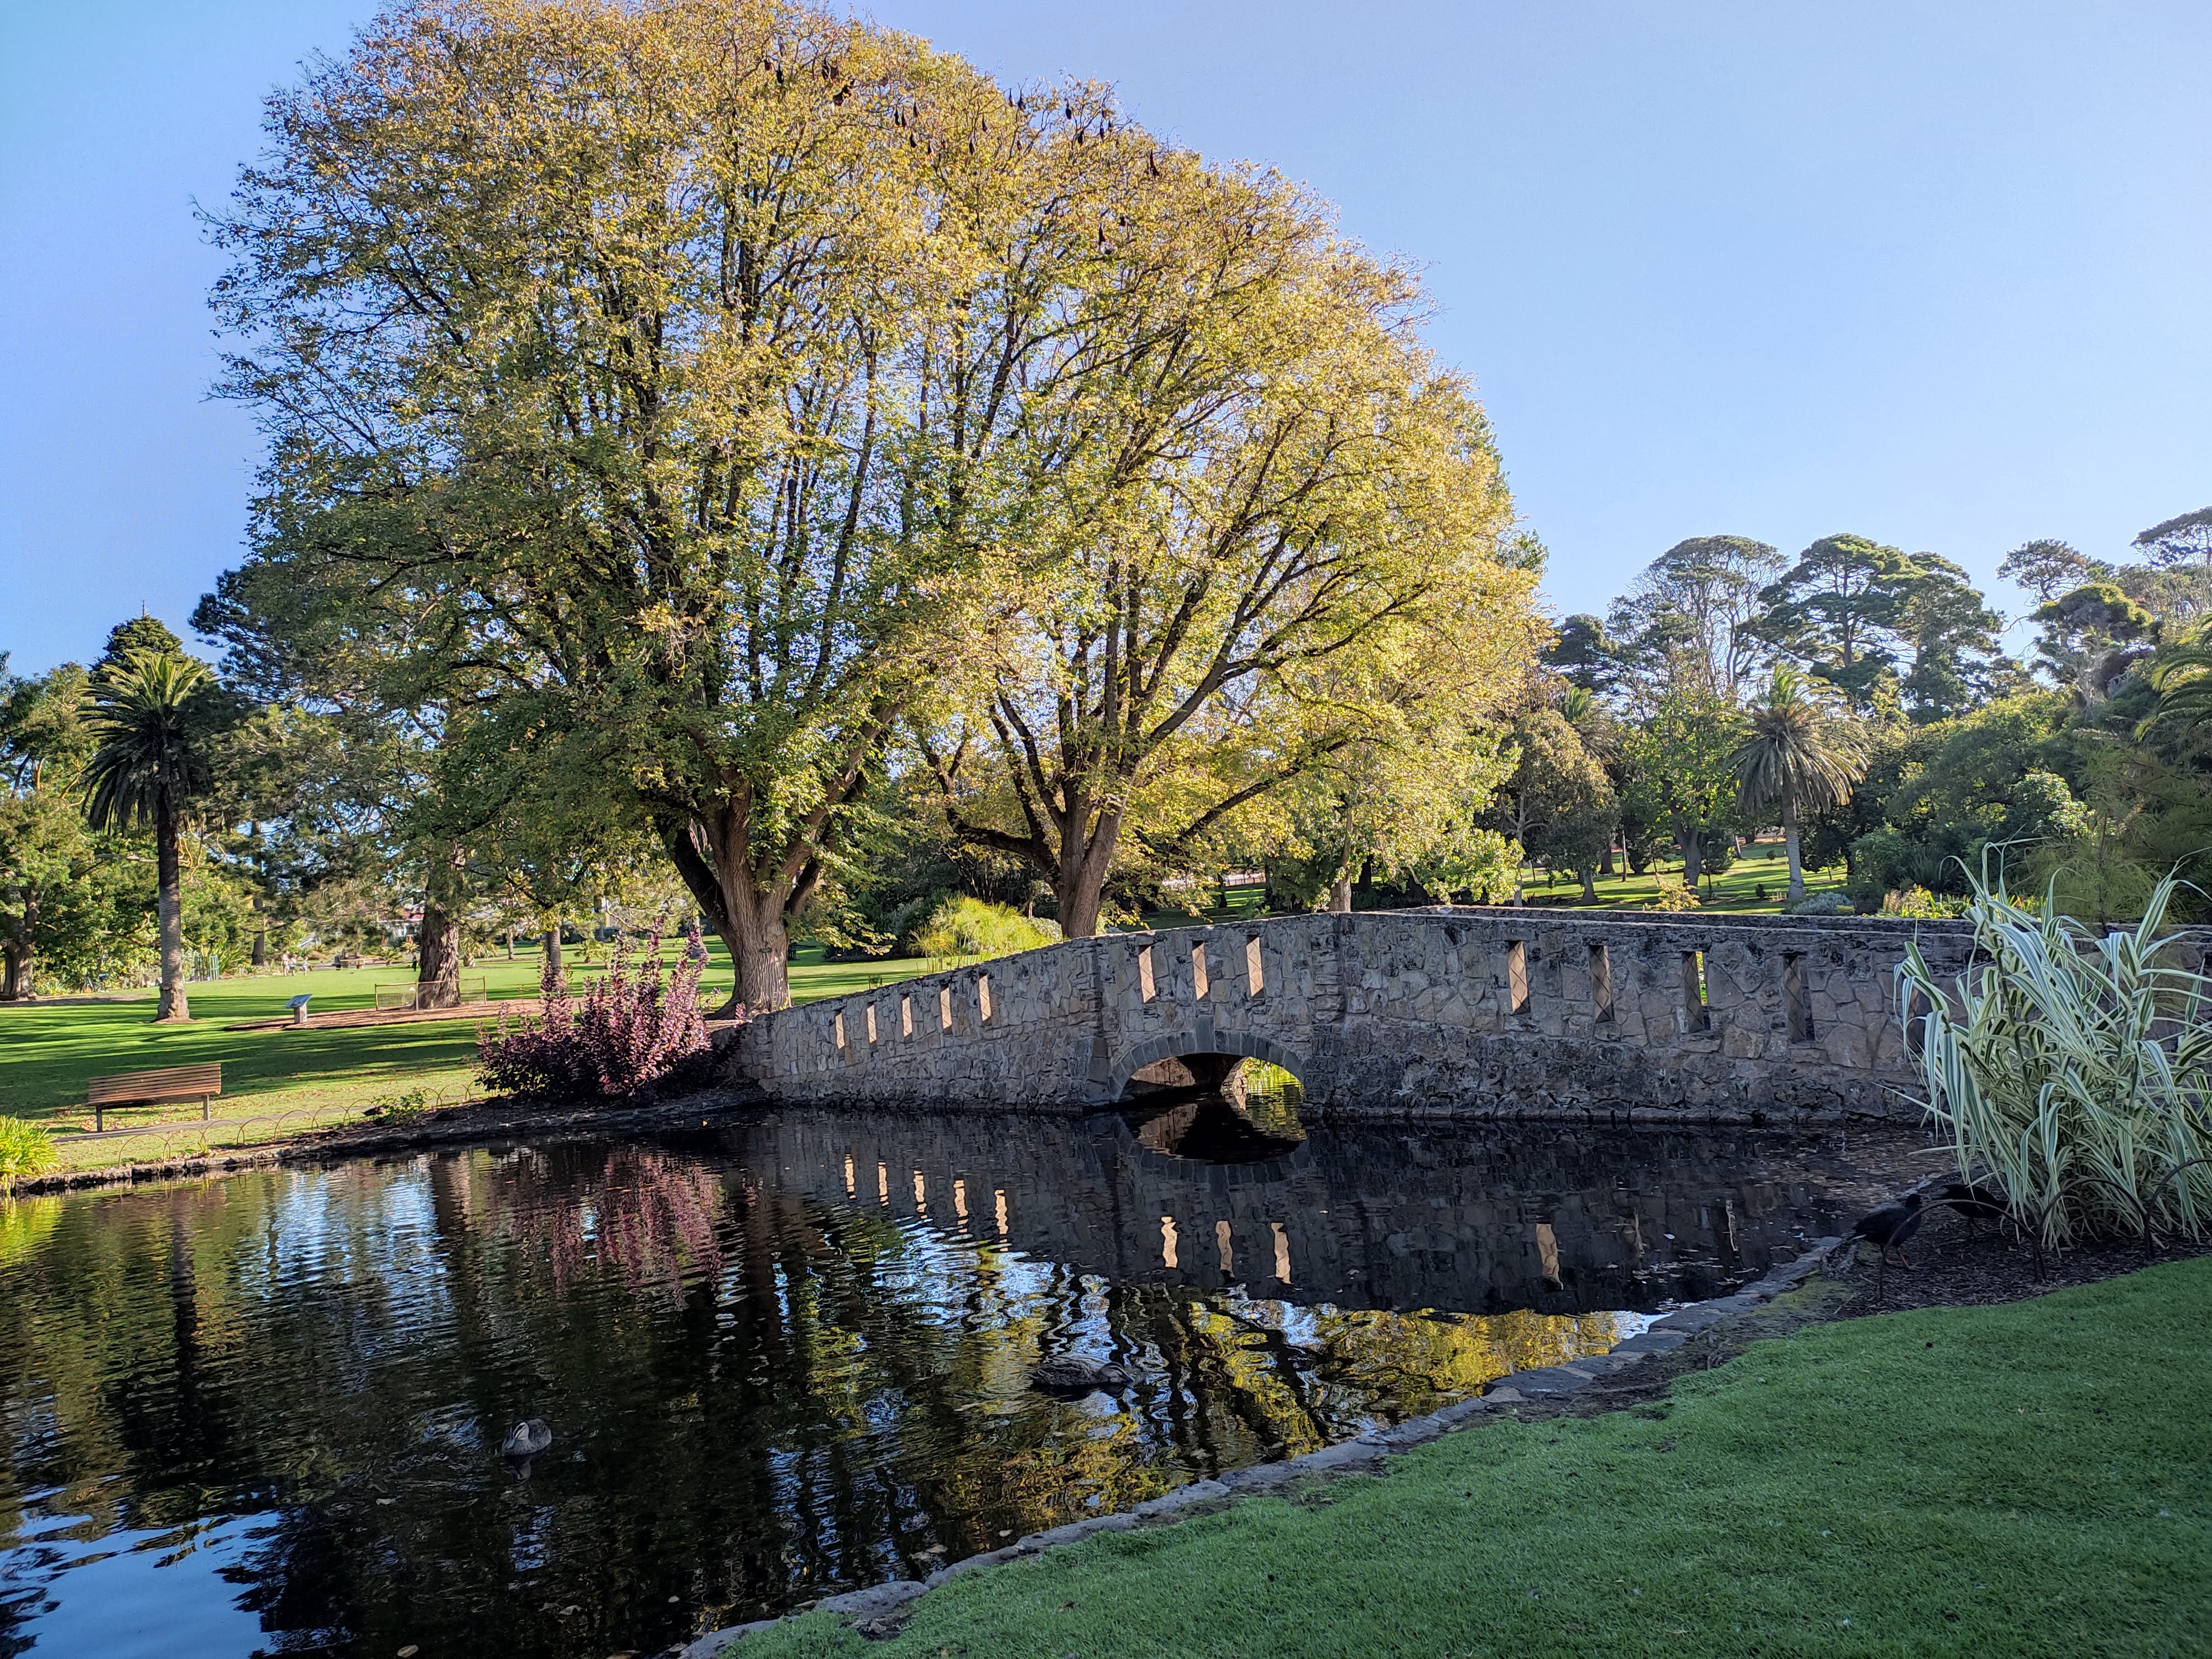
(1586, 656)
(2091, 637)
(1677, 764)
(1557, 802)
(1952, 634)
(154, 717)
(1994, 780)
(684, 380)
(48, 857)
(1838, 609)
(2048, 568)
(2184, 537)
(1795, 756)
(1405, 797)
(1693, 614)
(1321, 553)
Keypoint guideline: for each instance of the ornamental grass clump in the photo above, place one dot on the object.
(2074, 1068)
(961, 929)
(635, 1028)
(25, 1150)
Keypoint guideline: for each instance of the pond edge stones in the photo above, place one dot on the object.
(877, 1610)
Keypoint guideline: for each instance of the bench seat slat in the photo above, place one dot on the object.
(150, 1088)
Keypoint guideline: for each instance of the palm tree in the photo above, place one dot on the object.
(151, 761)
(1797, 755)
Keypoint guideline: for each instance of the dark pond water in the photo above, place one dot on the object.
(780, 1357)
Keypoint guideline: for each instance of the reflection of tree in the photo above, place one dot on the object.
(757, 1396)
(1415, 1361)
(653, 1213)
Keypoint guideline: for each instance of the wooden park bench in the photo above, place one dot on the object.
(200, 1083)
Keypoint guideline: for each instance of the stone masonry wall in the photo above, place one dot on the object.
(1472, 1012)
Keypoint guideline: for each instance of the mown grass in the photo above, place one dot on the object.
(2024, 1480)
(1758, 880)
(50, 1050)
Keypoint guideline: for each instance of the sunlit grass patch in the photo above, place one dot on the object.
(2029, 1479)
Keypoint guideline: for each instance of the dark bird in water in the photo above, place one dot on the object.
(1978, 1203)
(1069, 1374)
(1889, 1226)
(527, 1438)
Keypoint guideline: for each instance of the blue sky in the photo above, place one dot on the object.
(1939, 274)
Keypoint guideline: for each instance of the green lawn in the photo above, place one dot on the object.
(2026, 1479)
(48, 1050)
(1757, 881)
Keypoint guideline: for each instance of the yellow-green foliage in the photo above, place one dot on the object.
(1918, 902)
(966, 928)
(26, 1150)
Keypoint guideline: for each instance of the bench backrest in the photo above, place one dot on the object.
(150, 1088)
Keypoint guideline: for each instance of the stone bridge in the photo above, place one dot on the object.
(1484, 1012)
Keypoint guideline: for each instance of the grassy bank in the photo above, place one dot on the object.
(49, 1050)
(2029, 1479)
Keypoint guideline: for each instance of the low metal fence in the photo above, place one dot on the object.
(470, 987)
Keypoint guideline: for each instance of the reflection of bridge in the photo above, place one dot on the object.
(1503, 1012)
(1476, 1219)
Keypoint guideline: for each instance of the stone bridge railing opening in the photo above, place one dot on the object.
(1481, 1012)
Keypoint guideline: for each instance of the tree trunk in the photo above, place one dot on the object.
(260, 943)
(438, 958)
(438, 941)
(1086, 859)
(1339, 893)
(18, 951)
(750, 915)
(1589, 884)
(1693, 857)
(16, 964)
(759, 942)
(1789, 840)
(1605, 865)
(175, 1004)
(553, 948)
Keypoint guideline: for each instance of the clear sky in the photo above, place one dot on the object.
(1939, 274)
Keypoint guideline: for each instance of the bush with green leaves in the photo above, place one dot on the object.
(964, 928)
(2074, 1067)
(25, 1150)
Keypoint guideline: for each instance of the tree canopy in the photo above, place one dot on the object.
(688, 387)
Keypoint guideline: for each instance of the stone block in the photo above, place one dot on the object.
(874, 1602)
(1183, 1497)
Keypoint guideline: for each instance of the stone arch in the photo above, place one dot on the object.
(1177, 1045)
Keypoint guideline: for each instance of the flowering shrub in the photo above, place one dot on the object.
(638, 1026)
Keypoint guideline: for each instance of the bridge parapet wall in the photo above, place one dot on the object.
(1479, 1011)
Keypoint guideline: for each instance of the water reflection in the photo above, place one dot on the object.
(265, 1414)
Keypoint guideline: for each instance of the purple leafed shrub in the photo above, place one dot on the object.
(638, 1026)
